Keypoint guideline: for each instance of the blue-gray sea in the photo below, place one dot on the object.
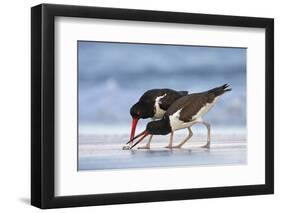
(112, 76)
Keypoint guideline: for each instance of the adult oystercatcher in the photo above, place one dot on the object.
(153, 104)
(184, 113)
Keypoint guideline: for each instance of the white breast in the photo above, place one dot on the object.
(159, 113)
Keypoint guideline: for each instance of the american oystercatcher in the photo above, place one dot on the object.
(184, 113)
(153, 104)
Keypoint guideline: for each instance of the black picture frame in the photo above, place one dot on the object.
(43, 110)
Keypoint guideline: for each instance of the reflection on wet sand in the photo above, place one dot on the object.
(105, 152)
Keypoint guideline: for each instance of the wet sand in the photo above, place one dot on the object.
(97, 152)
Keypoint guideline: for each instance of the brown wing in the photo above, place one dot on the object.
(190, 106)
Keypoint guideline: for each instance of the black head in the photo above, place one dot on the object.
(159, 127)
(142, 110)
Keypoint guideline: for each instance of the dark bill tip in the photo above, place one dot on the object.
(144, 134)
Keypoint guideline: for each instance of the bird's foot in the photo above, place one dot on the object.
(144, 147)
(177, 147)
(206, 146)
(168, 147)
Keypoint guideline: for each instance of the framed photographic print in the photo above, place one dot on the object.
(140, 106)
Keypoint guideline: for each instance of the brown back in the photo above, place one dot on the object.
(190, 105)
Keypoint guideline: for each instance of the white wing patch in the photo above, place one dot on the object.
(204, 109)
(159, 113)
(175, 121)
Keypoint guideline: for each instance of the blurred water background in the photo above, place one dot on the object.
(112, 76)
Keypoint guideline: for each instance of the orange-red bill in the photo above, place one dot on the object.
(137, 136)
(133, 128)
(143, 134)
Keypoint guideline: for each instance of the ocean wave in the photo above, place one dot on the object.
(113, 76)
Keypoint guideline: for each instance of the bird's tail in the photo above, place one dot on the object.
(220, 90)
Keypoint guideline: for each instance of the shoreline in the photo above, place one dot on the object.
(125, 129)
(98, 152)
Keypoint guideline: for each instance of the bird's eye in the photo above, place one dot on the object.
(138, 113)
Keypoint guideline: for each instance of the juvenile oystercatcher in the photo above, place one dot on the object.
(153, 104)
(184, 113)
